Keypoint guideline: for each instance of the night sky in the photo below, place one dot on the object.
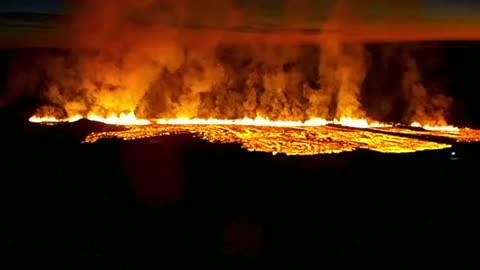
(58, 6)
(39, 6)
(270, 12)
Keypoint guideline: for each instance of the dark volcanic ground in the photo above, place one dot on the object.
(175, 202)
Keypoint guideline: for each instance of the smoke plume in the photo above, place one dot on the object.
(169, 59)
(144, 57)
(423, 105)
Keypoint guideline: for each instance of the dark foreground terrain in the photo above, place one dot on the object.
(177, 202)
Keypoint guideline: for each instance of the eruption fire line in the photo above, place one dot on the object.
(124, 119)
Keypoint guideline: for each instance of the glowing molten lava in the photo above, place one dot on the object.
(259, 121)
(436, 128)
(358, 123)
(129, 119)
(123, 119)
(52, 119)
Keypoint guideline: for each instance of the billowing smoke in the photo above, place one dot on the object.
(168, 59)
(342, 67)
(144, 56)
(424, 106)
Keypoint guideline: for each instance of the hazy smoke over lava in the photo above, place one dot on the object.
(153, 58)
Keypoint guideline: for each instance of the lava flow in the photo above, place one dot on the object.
(316, 136)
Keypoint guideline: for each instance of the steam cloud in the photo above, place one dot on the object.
(144, 56)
